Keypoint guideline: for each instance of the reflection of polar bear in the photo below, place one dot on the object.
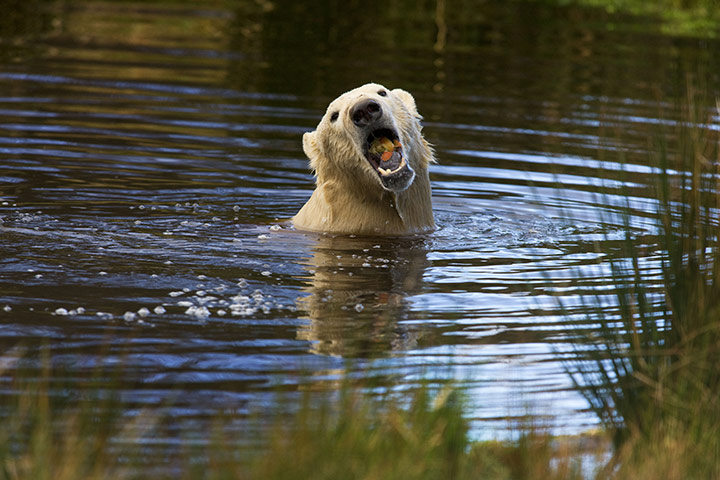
(371, 163)
(357, 295)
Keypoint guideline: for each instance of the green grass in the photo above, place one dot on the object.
(651, 369)
(411, 435)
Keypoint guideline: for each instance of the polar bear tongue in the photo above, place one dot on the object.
(390, 164)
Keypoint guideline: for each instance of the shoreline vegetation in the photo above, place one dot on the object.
(699, 18)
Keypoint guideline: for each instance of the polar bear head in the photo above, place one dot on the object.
(341, 146)
(371, 162)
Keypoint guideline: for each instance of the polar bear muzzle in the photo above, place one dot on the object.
(382, 147)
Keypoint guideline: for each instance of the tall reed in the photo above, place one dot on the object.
(650, 368)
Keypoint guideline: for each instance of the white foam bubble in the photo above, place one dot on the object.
(198, 312)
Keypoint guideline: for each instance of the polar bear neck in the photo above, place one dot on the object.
(343, 208)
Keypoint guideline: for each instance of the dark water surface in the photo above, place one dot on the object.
(150, 156)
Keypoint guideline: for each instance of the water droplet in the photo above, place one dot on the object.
(359, 307)
(159, 310)
(143, 312)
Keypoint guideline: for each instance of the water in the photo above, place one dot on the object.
(150, 158)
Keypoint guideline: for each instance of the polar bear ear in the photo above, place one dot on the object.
(406, 99)
(310, 145)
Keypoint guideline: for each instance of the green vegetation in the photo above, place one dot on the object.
(650, 368)
(677, 17)
(421, 434)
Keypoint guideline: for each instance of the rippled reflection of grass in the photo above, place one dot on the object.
(650, 367)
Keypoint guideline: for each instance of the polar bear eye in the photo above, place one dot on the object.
(334, 116)
(382, 93)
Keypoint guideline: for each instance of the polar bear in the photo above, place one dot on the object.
(371, 166)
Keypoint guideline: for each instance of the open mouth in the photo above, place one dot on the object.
(384, 152)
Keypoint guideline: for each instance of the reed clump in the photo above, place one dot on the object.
(649, 369)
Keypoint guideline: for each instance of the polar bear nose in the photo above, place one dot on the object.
(365, 112)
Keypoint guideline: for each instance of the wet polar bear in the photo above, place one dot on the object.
(371, 166)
